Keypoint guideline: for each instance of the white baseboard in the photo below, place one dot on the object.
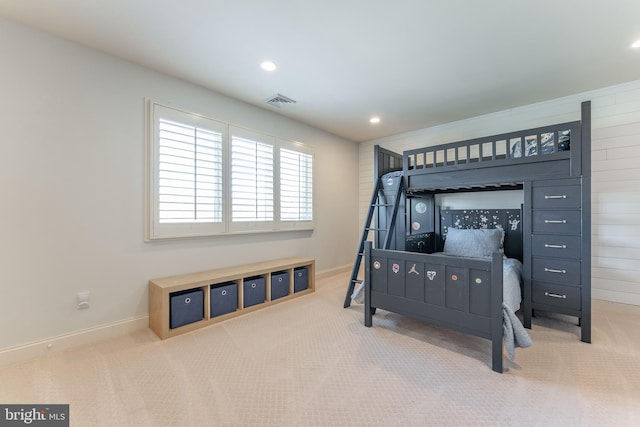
(88, 336)
(613, 296)
(74, 339)
(332, 272)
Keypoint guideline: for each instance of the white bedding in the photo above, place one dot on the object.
(515, 335)
(511, 279)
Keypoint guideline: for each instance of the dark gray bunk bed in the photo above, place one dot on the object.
(552, 166)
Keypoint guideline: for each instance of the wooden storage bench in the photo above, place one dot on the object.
(178, 292)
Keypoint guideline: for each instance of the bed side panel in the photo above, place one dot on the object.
(414, 279)
(378, 274)
(434, 284)
(457, 288)
(395, 277)
(480, 292)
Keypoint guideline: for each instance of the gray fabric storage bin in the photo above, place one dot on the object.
(255, 291)
(279, 284)
(224, 298)
(186, 307)
(300, 279)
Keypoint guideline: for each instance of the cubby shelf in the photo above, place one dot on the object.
(161, 290)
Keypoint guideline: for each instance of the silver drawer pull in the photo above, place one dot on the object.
(550, 270)
(547, 245)
(555, 221)
(552, 295)
(564, 196)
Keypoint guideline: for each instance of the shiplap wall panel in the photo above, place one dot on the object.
(603, 186)
(607, 295)
(615, 218)
(610, 201)
(630, 129)
(615, 173)
(608, 231)
(617, 177)
(618, 240)
(624, 152)
(613, 283)
(616, 163)
(612, 252)
(626, 264)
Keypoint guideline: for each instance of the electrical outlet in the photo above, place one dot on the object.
(83, 300)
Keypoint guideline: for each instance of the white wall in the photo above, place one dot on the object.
(72, 184)
(615, 174)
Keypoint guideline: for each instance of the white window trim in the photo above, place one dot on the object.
(154, 230)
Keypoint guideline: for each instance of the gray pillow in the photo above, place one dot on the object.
(473, 242)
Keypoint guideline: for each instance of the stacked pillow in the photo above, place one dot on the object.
(475, 243)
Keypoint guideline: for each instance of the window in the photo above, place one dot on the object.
(209, 178)
(189, 173)
(296, 186)
(252, 186)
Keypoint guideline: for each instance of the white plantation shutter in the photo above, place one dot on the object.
(296, 186)
(208, 178)
(189, 174)
(186, 177)
(251, 180)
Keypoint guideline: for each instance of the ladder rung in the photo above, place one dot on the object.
(375, 202)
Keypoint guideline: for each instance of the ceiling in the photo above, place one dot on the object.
(413, 63)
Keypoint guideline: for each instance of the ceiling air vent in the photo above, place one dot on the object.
(279, 100)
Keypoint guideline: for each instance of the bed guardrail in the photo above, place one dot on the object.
(520, 147)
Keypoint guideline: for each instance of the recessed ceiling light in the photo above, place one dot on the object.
(636, 44)
(268, 66)
(374, 120)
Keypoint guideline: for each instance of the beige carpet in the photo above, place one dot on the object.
(309, 362)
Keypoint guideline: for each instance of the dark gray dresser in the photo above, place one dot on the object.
(558, 244)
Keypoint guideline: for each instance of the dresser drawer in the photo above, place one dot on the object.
(556, 295)
(554, 246)
(556, 222)
(557, 197)
(555, 270)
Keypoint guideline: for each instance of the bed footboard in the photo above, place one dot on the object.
(463, 294)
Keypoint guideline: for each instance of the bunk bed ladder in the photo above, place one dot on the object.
(373, 206)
